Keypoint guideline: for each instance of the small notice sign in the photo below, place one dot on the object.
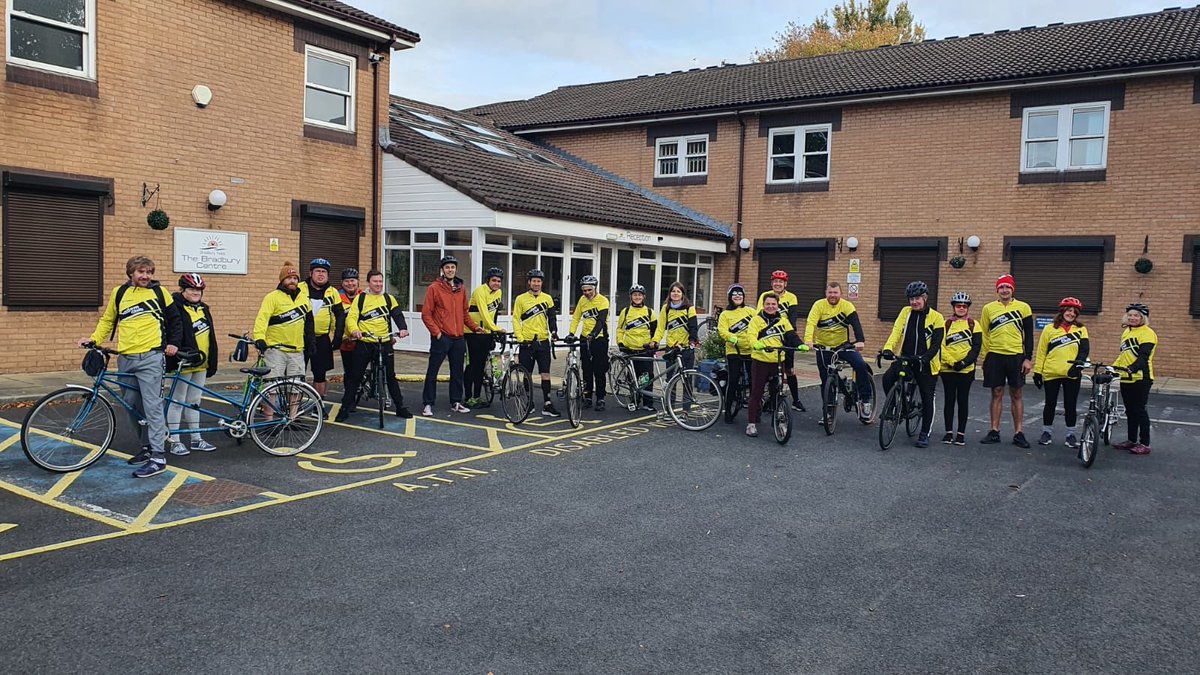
(855, 268)
(1043, 321)
(852, 291)
(854, 278)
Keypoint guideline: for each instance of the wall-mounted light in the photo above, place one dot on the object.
(201, 96)
(744, 244)
(973, 243)
(852, 243)
(217, 199)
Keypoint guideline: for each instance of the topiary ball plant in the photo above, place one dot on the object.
(958, 262)
(158, 219)
(1143, 265)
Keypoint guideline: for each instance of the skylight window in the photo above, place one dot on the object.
(483, 131)
(432, 119)
(429, 133)
(489, 148)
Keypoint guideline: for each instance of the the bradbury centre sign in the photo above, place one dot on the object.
(210, 251)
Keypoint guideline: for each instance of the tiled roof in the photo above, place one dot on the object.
(355, 15)
(521, 182)
(1126, 44)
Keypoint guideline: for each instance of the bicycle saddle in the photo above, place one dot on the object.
(257, 372)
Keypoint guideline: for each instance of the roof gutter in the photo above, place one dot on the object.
(395, 41)
(859, 100)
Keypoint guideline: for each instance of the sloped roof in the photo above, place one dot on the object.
(355, 15)
(1170, 38)
(529, 178)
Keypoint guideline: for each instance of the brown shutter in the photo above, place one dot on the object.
(1196, 279)
(333, 239)
(900, 266)
(1046, 275)
(806, 268)
(57, 234)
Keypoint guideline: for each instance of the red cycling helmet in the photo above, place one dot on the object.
(779, 274)
(1071, 302)
(192, 281)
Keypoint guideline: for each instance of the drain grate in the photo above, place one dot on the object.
(212, 492)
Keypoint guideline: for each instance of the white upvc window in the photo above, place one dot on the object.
(329, 88)
(798, 154)
(1065, 137)
(58, 36)
(681, 156)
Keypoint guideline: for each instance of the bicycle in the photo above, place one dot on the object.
(623, 379)
(572, 389)
(514, 384)
(739, 395)
(71, 428)
(836, 384)
(374, 380)
(778, 400)
(493, 371)
(903, 402)
(691, 398)
(1103, 411)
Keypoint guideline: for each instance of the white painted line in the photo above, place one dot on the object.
(1190, 424)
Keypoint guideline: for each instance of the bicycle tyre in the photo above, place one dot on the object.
(574, 393)
(52, 436)
(693, 400)
(738, 397)
(1089, 441)
(284, 435)
(487, 390)
(889, 418)
(380, 386)
(781, 419)
(366, 386)
(624, 383)
(829, 403)
(516, 394)
(912, 418)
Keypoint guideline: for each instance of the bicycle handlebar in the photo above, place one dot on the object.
(103, 350)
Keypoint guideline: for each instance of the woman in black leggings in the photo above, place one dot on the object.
(960, 350)
(1062, 344)
(1138, 342)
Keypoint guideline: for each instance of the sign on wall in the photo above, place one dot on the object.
(210, 251)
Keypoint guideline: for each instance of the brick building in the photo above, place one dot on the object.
(109, 110)
(1065, 152)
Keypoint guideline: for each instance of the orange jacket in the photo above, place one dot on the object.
(445, 309)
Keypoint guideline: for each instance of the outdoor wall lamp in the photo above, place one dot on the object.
(972, 243)
(744, 244)
(851, 244)
(217, 199)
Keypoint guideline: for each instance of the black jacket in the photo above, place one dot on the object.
(188, 341)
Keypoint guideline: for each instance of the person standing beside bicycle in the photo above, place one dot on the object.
(197, 334)
(1008, 356)
(592, 311)
(369, 323)
(446, 314)
(1061, 344)
(347, 293)
(534, 325)
(768, 329)
(148, 331)
(1138, 344)
(484, 308)
(283, 328)
(677, 326)
(917, 333)
(960, 350)
(789, 304)
(326, 307)
(829, 323)
(636, 326)
(730, 324)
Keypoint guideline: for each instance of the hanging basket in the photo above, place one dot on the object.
(958, 262)
(158, 219)
(1143, 265)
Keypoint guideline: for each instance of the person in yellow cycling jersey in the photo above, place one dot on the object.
(347, 293)
(918, 332)
(829, 323)
(1008, 356)
(592, 313)
(636, 326)
(1138, 344)
(960, 350)
(732, 322)
(534, 325)
(677, 326)
(198, 335)
(768, 329)
(484, 308)
(283, 328)
(369, 322)
(1062, 342)
(789, 305)
(326, 307)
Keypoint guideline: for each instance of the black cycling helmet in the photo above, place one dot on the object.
(349, 273)
(494, 272)
(1138, 307)
(320, 263)
(637, 288)
(448, 260)
(916, 289)
(589, 280)
(535, 274)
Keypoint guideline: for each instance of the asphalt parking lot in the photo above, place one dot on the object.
(460, 544)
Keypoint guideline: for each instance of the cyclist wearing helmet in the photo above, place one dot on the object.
(789, 306)
(348, 291)
(1063, 341)
(446, 313)
(592, 312)
(198, 335)
(484, 308)
(731, 322)
(636, 326)
(918, 332)
(372, 314)
(1138, 343)
(829, 324)
(960, 349)
(329, 319)
(534, 325)
(1008, 356)
(769, 327)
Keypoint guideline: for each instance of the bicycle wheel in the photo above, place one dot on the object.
(68, 430)
(381, 387)
(366, 386)
(694, 400)
(516, 396)
(624, 383)
(781, 419)
(487, 390)
(912, 418)
(574, 393)
(889, 418)
(285, 418)
(829, 403)
(1089, 441)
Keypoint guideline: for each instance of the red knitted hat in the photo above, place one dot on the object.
(1005, 280)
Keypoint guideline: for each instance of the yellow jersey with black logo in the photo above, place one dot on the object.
(281, 319)
(529, 317)
(829, 325)
(202, 330)
(635, 327)
(769, 330)
(141, 320)
(732, 323)
(787, 300)
(1057, 348)
(322, 308)
(934, 321)
(587, 312)
(957, 343)
(674, 325)
(1003, 327)
(485, 306)
(1133, 340)
(372, 314)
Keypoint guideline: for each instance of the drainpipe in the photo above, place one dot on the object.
(375, 152)
(737, 235)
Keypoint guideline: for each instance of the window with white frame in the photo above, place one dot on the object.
(799, 154)
(681, 156)
(59, 35)
(329, 88)
(1065, 137)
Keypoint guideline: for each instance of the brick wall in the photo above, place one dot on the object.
(143, 127)
(948, 167)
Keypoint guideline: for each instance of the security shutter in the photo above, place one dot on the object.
(806, 268)
(58, 233)
(897, 268)
(1196, 281)
(1046, 275)
(331, 238)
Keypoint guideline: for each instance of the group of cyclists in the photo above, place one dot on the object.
(301, 323)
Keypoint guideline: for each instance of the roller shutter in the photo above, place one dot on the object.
(60, 234)
(897, 268)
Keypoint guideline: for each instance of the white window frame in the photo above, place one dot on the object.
(352, 105)
(680, 156)
(798, 155)
(1065, 115)
(89, 41)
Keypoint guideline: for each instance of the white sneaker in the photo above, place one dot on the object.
(179, 449)
(751, 429)
(460, 408)
(427, 411)
(203, 446)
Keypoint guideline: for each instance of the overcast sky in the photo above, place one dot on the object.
(482, 51)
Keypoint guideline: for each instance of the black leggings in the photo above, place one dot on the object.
(594, 356)
(957, 387)
(478, 347)
(1135, 395)
(735, 366)
(1070, 392)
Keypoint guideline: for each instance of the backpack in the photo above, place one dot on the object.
(389, 301)
(162, 305)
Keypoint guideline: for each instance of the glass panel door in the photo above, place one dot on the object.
(580, 267)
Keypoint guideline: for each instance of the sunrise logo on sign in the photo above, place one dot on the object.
(212, 245)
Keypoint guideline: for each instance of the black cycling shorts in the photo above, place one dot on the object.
(535, 352)
(1002, 369)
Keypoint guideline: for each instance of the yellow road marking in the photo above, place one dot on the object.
(410, 427)
(410, 432)
(160, 500)
(273, 495)
(494, 440)
(5, 527)
(61, 486)
(9, 442)
(69, 508)
(393, 460)
(65, 544)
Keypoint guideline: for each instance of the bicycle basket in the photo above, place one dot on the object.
(241, 352)
(93, 363)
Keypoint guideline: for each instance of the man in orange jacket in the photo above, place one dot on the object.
(446, 315)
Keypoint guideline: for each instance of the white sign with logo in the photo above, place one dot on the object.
(210, 251)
